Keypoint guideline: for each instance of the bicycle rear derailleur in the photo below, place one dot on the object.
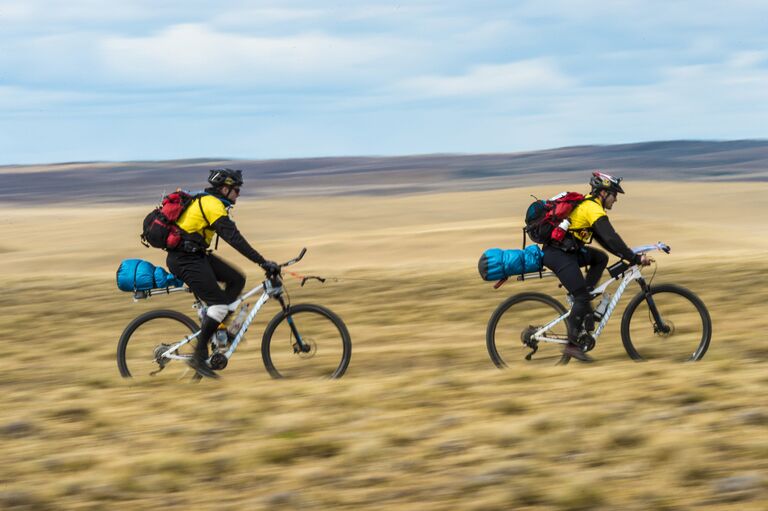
(527, 337)
(158, 355)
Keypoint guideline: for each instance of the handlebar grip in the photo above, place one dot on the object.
(295, 259)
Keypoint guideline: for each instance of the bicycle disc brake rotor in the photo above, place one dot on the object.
(308, 342)
(670, 329)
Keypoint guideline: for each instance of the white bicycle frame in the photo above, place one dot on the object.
(629, 275)
(268, 290)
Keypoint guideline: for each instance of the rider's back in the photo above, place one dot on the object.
(584, 216)
(200, 215)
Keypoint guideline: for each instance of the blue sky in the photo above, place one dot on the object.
(150, 79)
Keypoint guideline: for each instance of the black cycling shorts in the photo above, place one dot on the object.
(202, 273)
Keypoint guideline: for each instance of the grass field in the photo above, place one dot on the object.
(422, 419)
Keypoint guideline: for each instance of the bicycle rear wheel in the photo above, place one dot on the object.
(147, 337)
(684, 330)
(324, 350)
(509, 329)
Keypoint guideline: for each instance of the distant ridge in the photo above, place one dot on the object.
(143, 181)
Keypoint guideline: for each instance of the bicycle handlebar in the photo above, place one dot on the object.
(295, 259)
(655, 246)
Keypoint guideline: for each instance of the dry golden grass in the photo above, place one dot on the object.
(422, 420)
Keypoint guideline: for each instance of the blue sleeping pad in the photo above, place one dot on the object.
(140, 275)
(497, 264)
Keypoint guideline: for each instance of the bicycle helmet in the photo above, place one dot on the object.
(600, 181)
(225, 177)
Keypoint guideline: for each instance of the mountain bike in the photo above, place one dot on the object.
(301, 340)
(664, 321)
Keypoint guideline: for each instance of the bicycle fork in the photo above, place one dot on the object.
(659, 327)
(300, 346)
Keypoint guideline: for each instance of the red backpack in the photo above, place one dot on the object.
(546, 221)
(160, 229)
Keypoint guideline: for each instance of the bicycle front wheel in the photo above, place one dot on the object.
(148, 337)
(306, 340)
(508, 335)
(672, 323)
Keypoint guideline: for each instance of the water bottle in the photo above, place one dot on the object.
(602, 306)
(559, 232)
(234, 327)
(220, 339)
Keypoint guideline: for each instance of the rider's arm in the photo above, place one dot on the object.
(607, 236)
(228, 231)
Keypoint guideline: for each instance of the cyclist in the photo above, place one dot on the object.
(588, 220)
(194, 263)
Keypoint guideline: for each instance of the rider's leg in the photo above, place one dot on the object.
(215, 314)
(196, 271)
(234, 280)
(566, 267)
(597, 260)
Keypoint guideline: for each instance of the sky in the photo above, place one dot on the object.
(87, 80)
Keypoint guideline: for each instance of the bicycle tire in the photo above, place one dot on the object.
(315, 321)
(699, 342)
(186, 323)
(491, 334)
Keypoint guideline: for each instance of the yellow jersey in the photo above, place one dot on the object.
(198, 217)
(584, 216)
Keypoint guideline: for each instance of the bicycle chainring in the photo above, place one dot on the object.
(586, 342)
(218, 361)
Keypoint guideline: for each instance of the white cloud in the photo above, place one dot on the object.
(194, 55)
(748, 59)
(524, 75)
(259, 16)
(439, 73)
(22, 99)
(44, 12)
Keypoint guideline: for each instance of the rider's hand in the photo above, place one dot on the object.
(645, 260)
(271, 268)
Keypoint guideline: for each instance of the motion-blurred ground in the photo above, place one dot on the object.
(422, 419)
